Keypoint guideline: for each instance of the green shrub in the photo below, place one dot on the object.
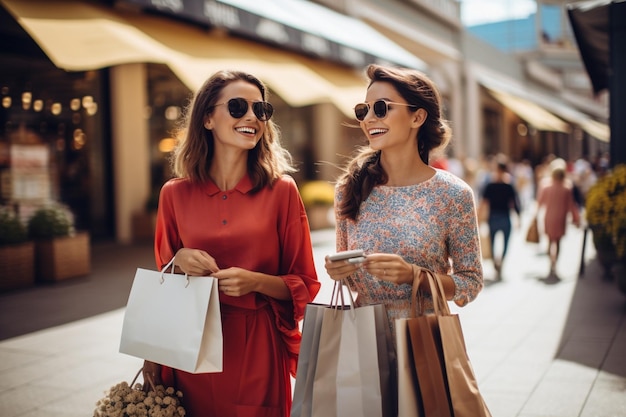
(50, 221)
(12, 230)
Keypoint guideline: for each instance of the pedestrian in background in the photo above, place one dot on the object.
(403, 213)
(233, 213)
(524, 182)
(499, 199)
(556, 198)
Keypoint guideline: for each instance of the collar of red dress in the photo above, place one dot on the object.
(243, 186)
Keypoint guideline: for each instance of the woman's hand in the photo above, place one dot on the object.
(339, 270)
(236, 282)
(195, 262)
(389, 267)
(151, 375)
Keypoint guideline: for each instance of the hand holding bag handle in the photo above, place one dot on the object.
(440, 304)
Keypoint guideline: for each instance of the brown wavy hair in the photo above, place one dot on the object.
(364, 171)
(267, 161)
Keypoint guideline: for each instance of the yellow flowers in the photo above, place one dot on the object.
(606, 210)
(317, 192)
(123, 400)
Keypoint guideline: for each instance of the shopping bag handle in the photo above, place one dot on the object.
(148, 381)
(440, 303)
(338, 294)
(168, 265)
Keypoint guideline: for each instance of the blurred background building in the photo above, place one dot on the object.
(91, 90)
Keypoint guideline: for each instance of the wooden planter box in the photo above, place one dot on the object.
(17, 266)
(63, 257)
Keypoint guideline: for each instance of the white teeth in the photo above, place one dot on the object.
(246, 130)
(377, 131)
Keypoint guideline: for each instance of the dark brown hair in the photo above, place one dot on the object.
(267, 161)
(364, 172)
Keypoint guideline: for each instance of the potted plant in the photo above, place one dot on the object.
(17, 253)
(605, 209)
(60, 252)
(318, 198)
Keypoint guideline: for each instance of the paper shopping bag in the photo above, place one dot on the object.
(307, 360)
(445, 378)
(466, 398)
(408, 389)
(532, 235)
(430, 366)
(354, 374)
(174, 320)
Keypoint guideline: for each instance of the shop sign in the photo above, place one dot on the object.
(28, 178)
(245, 23)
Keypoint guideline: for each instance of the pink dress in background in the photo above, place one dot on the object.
(558, 200)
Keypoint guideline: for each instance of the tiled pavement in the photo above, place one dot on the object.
(540, 347)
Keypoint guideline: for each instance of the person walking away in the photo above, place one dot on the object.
(524, 184)
(403, 213)
(498, 200)
(234, 213)
(556, 198)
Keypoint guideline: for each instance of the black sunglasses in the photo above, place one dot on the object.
(238, 107)
(381, 107)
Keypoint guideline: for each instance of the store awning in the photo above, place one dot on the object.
(298, 25)
(80, 37)
(591, 26)
(350, 35)
(593, 127)
(542, 111)
(533, 114)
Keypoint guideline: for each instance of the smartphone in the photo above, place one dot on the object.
(357, 260)
(348, 254)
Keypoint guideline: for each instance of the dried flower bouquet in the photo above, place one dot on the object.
(124, 400)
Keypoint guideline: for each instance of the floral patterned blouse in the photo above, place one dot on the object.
(432, 224)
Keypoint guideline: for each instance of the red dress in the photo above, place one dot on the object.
(266, 232)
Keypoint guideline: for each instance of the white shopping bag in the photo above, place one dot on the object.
(174, 320)
(353, 373)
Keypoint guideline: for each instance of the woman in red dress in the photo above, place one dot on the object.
(233, 213)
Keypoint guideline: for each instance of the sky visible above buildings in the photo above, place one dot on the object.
(476, 12)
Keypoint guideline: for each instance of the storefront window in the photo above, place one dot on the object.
(167, 100)
(491, 132)
(52, 146)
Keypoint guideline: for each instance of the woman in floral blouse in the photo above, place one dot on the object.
(403, 213)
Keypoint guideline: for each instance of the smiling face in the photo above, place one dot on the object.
(398, 129)
(242, 133)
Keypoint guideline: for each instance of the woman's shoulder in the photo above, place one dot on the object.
(285, 182)
(443, 178)
(177, 186)
(176, 183)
